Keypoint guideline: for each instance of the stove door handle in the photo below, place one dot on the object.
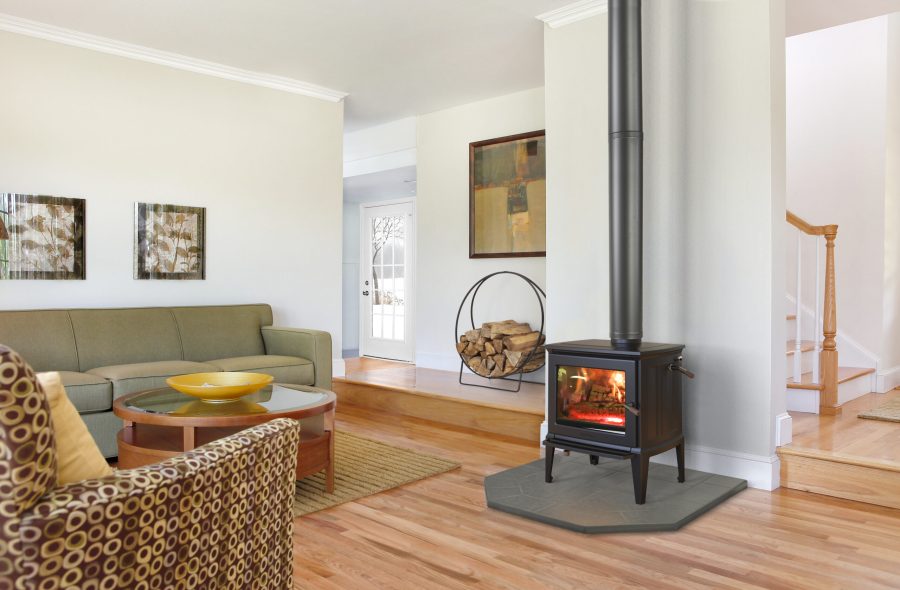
(682, 370)
(632, 408)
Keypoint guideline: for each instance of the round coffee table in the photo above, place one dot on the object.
(162, 423)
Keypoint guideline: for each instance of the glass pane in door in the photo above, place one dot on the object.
(388, 288)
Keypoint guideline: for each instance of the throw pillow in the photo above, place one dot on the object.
(78, 457)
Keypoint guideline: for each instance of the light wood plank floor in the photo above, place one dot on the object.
(848, 435)
(443, 384)
(438, 533)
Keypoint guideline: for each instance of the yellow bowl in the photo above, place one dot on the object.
(219, 387)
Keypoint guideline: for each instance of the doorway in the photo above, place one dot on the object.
(387, 280)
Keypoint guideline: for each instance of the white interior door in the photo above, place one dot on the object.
(387, 281)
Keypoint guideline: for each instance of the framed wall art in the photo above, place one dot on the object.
(44, 237)
(169, 242)
(508, 196)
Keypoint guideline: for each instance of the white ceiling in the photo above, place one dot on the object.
(396, 58)
(803, 16)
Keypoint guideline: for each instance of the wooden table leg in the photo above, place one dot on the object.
(329, 471)
(188, 438)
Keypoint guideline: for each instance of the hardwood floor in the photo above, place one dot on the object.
(849, 435)
(438, 533)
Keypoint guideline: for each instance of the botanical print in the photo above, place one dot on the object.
(508, 197)
(169, 242)
(46, 237)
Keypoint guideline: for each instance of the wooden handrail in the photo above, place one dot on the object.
(828, 357)
(808, 228)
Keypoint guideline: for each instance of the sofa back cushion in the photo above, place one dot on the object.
(43, 337)
(222, 331)
(107, 337)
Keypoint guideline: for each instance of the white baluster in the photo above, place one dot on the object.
(798, 350)
(817, 329)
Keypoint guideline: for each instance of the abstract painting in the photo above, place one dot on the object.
(169, 242)
(46, 237)
(508, 196)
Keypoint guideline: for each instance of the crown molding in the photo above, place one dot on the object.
(13, 24)
(571, 13)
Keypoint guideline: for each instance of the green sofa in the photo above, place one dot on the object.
(103, 354)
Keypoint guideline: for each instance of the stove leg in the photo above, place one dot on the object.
(640, 468)
(595, 459)
(679, 454)
(548, 463)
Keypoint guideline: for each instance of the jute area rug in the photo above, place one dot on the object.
(364, 467)
(889, 411)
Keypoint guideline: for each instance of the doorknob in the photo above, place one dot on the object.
(365, 292)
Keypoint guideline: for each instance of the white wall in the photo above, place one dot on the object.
(714, 201)
(444, 270)
(265, 164)
(836, 115)
(350, 305)
(891, 309)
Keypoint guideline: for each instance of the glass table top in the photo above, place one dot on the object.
(271, 399)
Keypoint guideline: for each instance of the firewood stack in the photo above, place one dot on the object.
(498, 349)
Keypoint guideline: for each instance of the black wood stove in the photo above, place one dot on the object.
(619, 397)
(621, 403)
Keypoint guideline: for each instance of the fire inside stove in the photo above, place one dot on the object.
(595, 396)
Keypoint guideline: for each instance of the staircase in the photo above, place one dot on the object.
(816, 383)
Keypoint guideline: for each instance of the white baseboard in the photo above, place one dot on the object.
(338, 368)
(784, 429)
(760, 471)
(887, 379)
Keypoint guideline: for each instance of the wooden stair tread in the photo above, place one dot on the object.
(805, 346)
(844, 374)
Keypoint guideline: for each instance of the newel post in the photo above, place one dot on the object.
(828, 402)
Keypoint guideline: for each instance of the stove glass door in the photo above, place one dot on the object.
(592, 397)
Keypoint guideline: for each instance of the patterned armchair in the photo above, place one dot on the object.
(216, 517)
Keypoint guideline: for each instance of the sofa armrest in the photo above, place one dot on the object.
(219, 516)
(314, 345)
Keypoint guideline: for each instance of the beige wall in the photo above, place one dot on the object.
(265, 164)
(444, 270)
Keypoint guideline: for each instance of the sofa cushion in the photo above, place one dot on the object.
(225, 331)
(285, 369)
(140, 376)
(44, 338)
(88, 393)
(123, 336)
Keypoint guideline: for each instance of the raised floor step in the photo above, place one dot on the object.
(845, 374)
(873, 481)
(430, 394)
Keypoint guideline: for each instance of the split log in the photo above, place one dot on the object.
(521, 341)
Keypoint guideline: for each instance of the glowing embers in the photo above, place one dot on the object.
(595, 396)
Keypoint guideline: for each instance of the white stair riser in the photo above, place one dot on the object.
(855, 388)
(806, 363)
(803, 400)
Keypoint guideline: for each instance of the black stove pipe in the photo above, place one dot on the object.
(626, 153)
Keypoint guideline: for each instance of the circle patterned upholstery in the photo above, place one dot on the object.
(217, 517)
